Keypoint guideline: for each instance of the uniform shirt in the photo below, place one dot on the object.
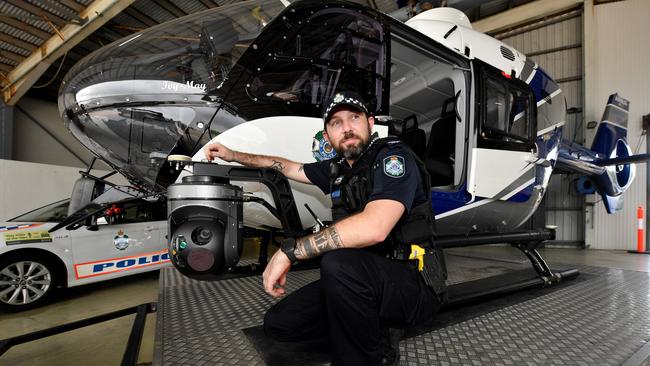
(395, 176)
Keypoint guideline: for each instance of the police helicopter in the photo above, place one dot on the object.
(486, 120)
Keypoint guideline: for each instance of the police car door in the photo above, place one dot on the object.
(125, 241)
(503, 162)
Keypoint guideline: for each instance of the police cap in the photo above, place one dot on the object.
(347, 98)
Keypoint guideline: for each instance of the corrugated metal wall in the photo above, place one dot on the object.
(618, 62)
(556, 45)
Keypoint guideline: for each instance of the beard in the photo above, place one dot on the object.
(352, 152)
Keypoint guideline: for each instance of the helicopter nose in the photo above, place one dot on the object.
(155, 92)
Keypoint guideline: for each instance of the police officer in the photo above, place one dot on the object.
(363, 290)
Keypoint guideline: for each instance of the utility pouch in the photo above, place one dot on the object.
(417, 227)
(434, 273)
(431, 266)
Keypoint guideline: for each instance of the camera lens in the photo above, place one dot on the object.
(201, 235)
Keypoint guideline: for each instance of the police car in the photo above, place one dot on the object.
(121, 240)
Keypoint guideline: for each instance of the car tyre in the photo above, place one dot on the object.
(26, 281)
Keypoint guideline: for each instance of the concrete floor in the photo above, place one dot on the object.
(100, 344)
(103, 344)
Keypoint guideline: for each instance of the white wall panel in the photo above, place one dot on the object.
(41, 137)
(618, 62)
(566, 32)
(26, 186)
(47, 160)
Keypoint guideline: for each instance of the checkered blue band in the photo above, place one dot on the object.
(342, 99)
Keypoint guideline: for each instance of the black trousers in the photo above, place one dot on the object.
(359, 295)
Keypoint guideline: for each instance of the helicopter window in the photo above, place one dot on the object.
(298, 83)
(495, 107)
(506, 121)
(340, 36)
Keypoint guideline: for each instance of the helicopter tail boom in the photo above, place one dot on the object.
(608, 167)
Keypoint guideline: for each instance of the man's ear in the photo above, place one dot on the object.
(371, 122)
(326, 136)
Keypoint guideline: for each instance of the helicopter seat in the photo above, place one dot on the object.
(409, 132)
(441, 147)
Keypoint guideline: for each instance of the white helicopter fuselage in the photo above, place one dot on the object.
(486, 120)
(495, 189)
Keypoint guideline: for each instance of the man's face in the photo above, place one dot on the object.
(348, 131)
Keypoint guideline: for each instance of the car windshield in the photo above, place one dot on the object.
(54, 212)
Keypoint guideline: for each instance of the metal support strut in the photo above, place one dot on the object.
(527, 242)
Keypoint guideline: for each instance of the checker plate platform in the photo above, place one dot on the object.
(604, 320)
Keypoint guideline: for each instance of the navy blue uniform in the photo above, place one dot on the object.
(404, 186)
(360, 293)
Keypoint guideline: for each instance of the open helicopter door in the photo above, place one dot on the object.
(502, 163)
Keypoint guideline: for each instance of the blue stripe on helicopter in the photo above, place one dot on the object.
(447, 201)
(542, 85)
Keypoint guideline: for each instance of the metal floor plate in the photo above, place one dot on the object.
(603, 321)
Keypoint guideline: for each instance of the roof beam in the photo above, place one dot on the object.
(68, 12)
(207, 4)
(72, 5)
(17, 42)
(114, 28)
(524, 13)
(171, 8)
(140, 16)
(27, 72)
(25, 27)
(32, 9)
(12, 56)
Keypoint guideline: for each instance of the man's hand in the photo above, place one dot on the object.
(275, 274)
(217, 150)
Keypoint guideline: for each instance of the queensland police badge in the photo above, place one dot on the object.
(321, 148)
(394, 166)
(121, 240)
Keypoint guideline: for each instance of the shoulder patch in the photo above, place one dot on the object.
(321, 148)
(394, 166)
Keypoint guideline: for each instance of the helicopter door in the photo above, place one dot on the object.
(503, 162)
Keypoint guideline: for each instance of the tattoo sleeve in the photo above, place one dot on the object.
(277, 165)
(317, 244)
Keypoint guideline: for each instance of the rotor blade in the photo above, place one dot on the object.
(624, 160)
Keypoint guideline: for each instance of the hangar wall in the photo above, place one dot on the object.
(46, 160)
(616, 60)
(39, 136)
(25, 186)
(555, 44)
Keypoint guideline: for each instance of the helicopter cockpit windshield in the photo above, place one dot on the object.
(330, 50)
(155, 92)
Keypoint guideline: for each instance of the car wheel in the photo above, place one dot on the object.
(26, 281)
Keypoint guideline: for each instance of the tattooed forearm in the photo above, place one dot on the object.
(314, 245)
(302, 167)
(277, 165)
